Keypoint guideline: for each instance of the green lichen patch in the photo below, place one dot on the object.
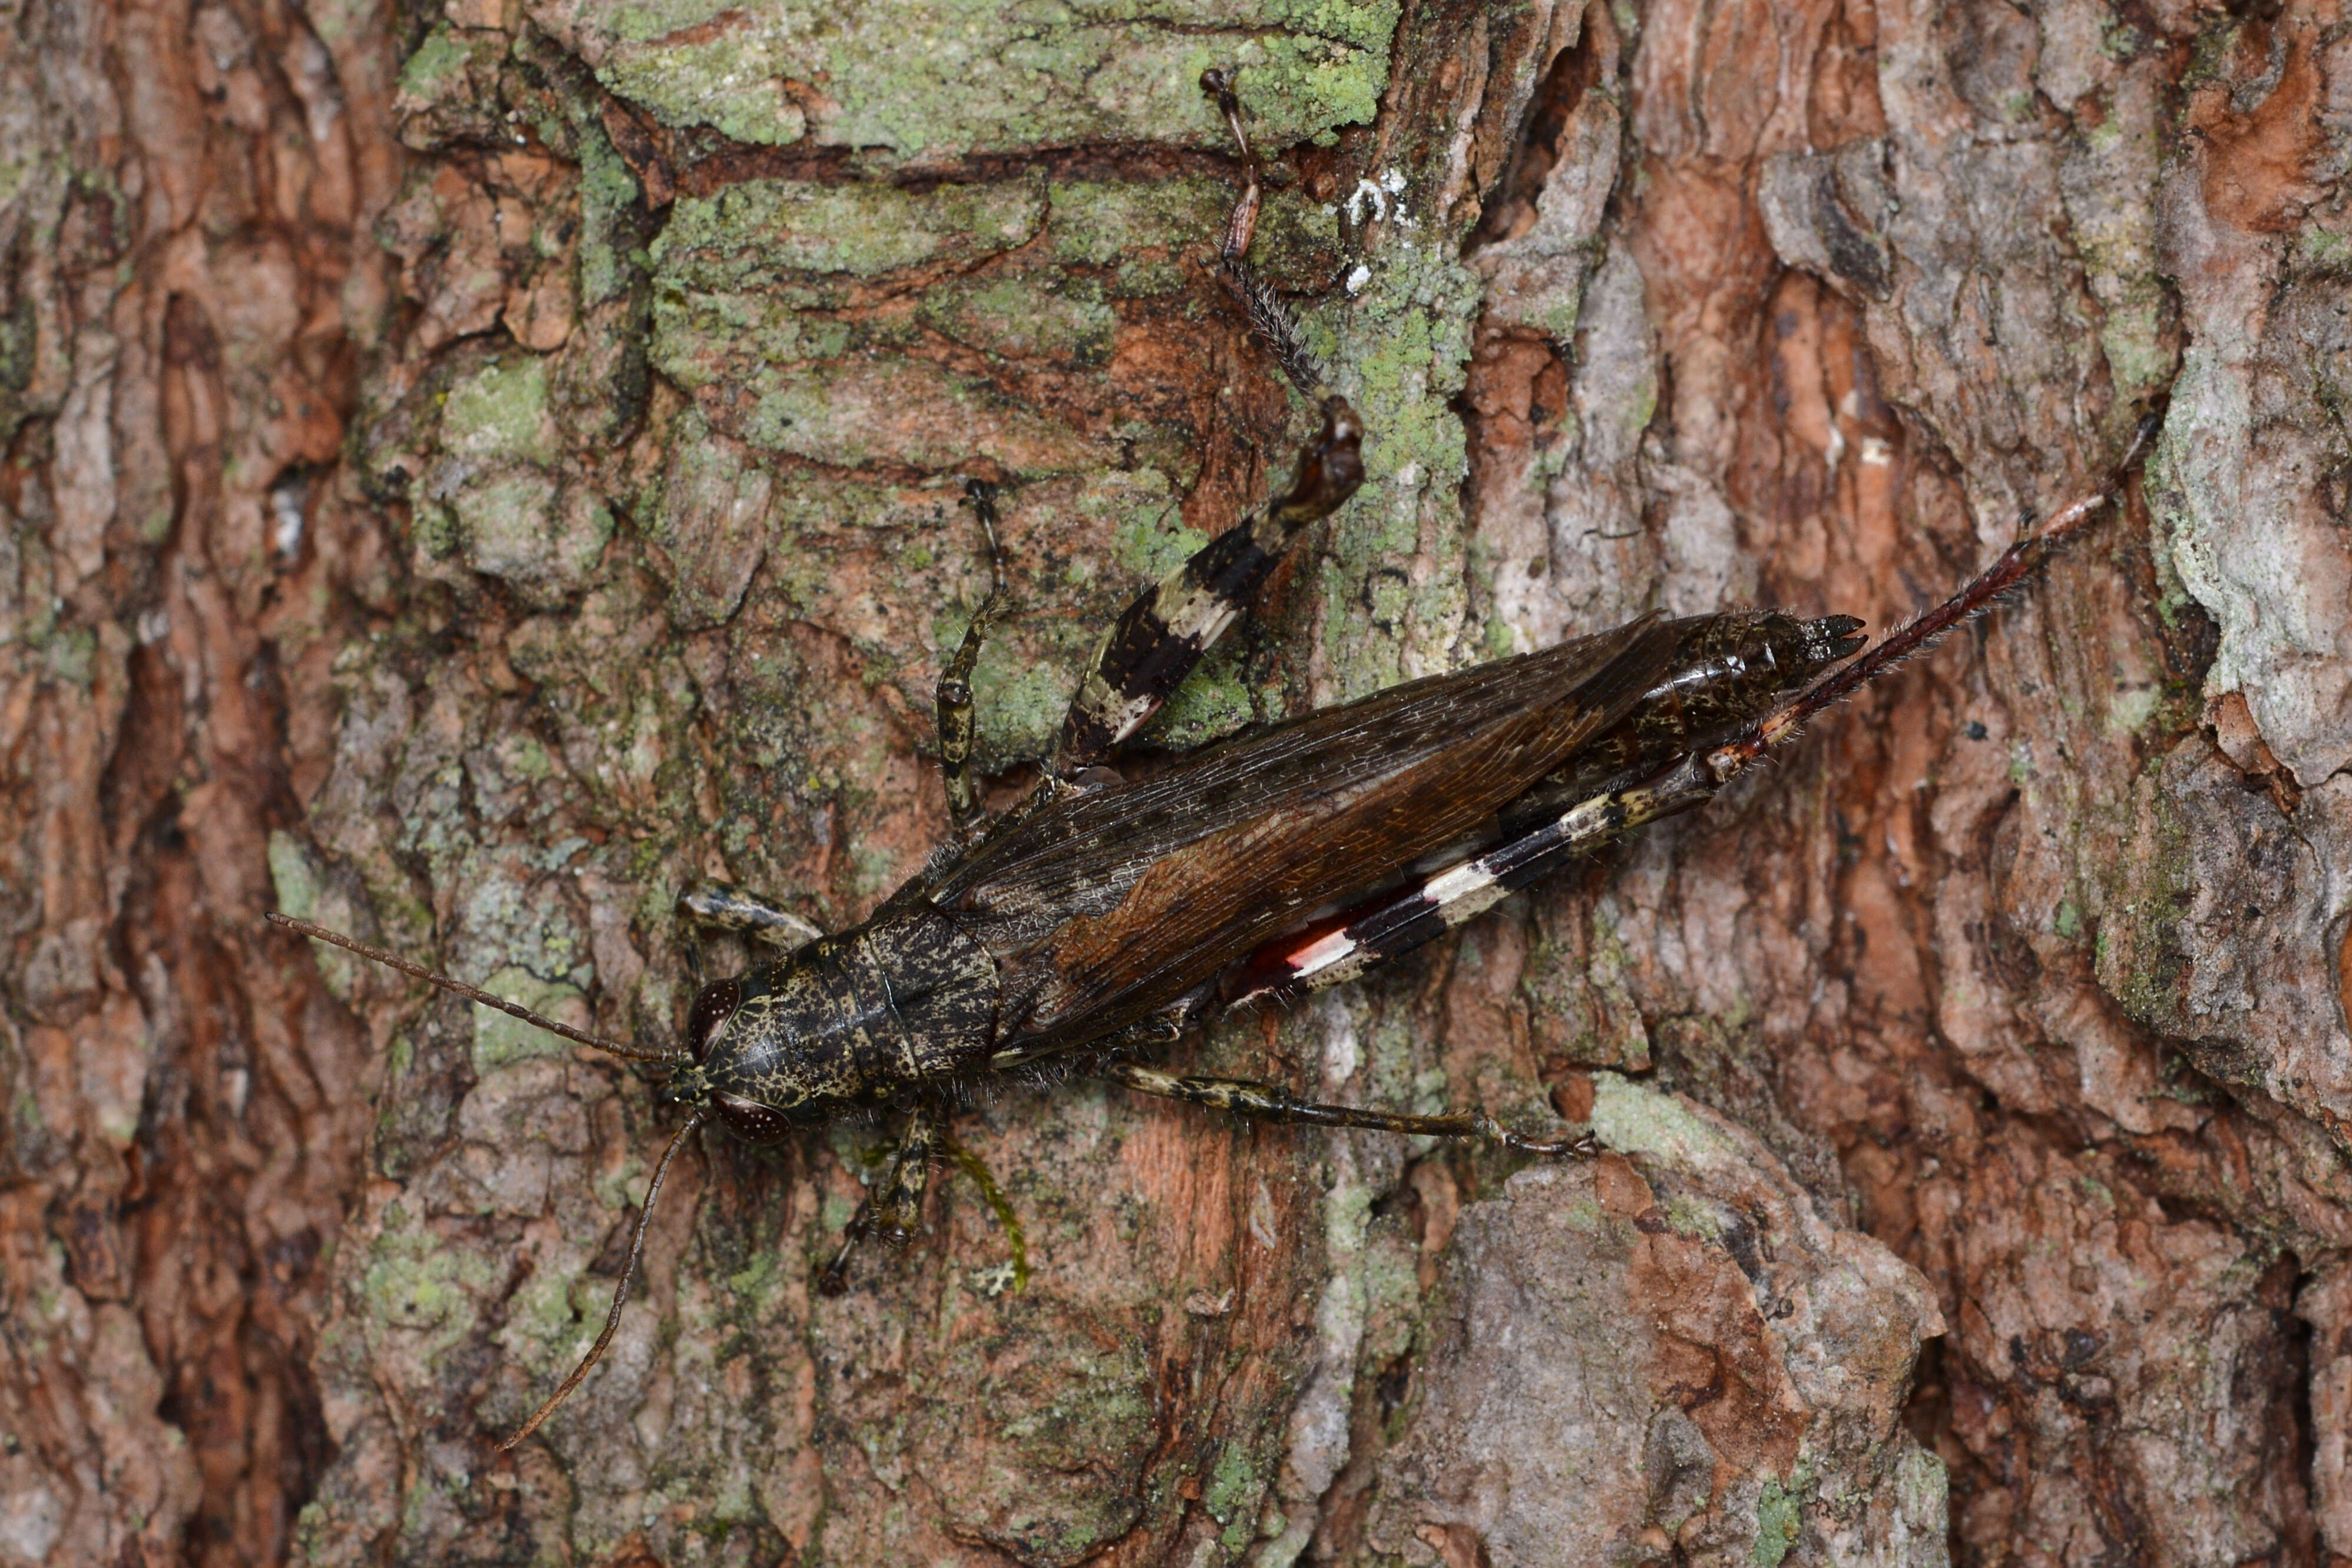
(551, 1320)
(1149, 539)
(948, 77)
(72, 656)
(608, 194)
(885, 410)
(414, 1282)
(436, 61)
(1215, 701)
(764, 229)
(705, 338)
(501, 410)
(500, 1039)
(731, 83)
(1634, 1118)
(1403, 350)
(448, 66)
(292, 874)
(512, 523)
(2131, 707)
(2145, 934)
(508, 915)
(1405, 340)
(1020, 705)
(1039, 1447)
(1779, 1515)
(1024, 319)
(713, 522)
(1232, 1495)
(1108, 223)
(305, 892)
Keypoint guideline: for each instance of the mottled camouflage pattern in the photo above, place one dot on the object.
(1088, 912)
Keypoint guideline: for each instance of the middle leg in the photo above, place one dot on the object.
(1170, 627)
(894, 1210)
(1265, 1102)
(1164, 633)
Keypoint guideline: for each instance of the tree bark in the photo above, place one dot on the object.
(472, 472)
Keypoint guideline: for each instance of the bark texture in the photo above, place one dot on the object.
(474, 469)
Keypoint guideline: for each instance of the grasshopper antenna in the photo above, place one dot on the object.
(620, 1292)
(653, 1189)
(512, 1009)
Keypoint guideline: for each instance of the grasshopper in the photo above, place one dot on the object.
(1101, 918)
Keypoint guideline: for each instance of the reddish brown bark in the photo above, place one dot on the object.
(463, 483)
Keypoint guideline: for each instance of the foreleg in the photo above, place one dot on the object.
(954, 691)
(718, 906)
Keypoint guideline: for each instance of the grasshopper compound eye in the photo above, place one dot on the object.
(713, 1006)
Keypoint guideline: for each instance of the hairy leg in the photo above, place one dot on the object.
(1268, 316)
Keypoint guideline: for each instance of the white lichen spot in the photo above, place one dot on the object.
(1383, 197)
(30, 1522)
(288, 500)
(1875, 453)
(1200, 1304)
(1358, 277)
(1343, 1052)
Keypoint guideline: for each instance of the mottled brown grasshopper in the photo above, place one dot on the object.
(1101, 917)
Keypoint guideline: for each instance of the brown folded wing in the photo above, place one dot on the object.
(1108, 906)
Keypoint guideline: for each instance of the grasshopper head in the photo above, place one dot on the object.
(776, 1049)
(727, 1037)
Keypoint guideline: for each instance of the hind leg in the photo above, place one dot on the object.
(1165, 632)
